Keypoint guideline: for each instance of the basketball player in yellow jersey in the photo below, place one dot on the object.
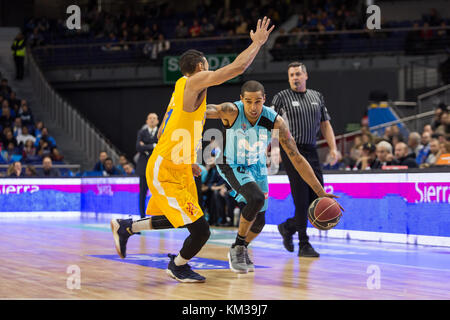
(171, 168)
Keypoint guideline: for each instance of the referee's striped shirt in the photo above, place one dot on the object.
(304, 111)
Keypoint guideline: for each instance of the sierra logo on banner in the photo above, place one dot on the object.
(171, 69)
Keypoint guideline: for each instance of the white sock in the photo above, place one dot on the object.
(179, 260)
(143, 224)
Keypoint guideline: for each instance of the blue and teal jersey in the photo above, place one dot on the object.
(246, 144)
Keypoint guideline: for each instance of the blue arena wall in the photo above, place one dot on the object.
(396, 207)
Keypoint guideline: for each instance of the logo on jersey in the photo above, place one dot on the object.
(244, 126)
(295, 103)
(191, 209)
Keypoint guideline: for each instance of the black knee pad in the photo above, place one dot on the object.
(260, 222)
(255, 200)
(200, 230)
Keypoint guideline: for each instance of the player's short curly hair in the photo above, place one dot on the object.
(252, 86)
(189, 60)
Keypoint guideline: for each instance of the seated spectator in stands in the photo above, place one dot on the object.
(425, 148)
(11, 153)
(384, 155)
(128, 169)
(444, 158)
(195, 29)
(355, 152)
(15, 170)
(45, 137)
(38, 128)
(274, 163)
(366, 138)
(99, 166)
(242, 28)
(436, 122)
(6, 120)
(47, 168)
(24, 136)
(396, 136)
(26, 116)
(160, 46)
(36, 38)
(43, 149)
(14, 103)
(433, 155)
(112, 43)
(56, 155)
(403, 158)
(207, 28)
(215, 189)
(428, 128)
(29, 153)
(368, 159)
(110, 169)
(17, 127)
(414, 144)
(9, 137)
(181, 31)
(122, 161)
(5, 89)
(330, 164)
(444, 127)
(30, 171)
(147, 50)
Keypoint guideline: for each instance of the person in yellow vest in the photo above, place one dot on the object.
(18, 49)
(171, 167)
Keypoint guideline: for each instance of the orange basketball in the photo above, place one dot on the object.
(324, 213)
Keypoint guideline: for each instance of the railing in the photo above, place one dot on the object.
(295, 45)
(69, 119)
(344, 142)
(430, 100)
(424, 72)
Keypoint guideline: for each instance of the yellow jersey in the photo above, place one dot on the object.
(181, 137)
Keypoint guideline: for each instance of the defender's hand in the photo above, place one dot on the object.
(262, 32)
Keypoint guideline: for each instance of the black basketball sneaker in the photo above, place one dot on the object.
(121, 229)
(182, 273)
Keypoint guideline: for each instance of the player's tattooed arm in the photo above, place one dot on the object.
(226, 111)
(298, 161)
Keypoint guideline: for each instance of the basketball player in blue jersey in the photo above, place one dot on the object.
(248, 130)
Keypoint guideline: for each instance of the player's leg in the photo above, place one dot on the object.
(243, 182)
(178, 267)
(259, 222)
(255, 230)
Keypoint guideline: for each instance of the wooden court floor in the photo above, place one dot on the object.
(39, 256)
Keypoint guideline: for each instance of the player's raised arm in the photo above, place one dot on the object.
(207, 79)
(226, 111)
(300, 163)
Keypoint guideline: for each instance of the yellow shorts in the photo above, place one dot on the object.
(173, 189)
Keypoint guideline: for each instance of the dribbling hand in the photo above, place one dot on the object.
(261, 34)
(332, 196)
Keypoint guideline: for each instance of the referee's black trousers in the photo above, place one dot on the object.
(302, 193)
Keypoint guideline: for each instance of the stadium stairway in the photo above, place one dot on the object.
(72, 152)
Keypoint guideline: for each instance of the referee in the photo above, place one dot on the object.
(305, 112)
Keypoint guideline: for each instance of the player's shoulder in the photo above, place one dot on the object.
(238, 103)
(269, 113)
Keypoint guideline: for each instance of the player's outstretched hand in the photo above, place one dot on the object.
(262, 32)
(196, 170)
